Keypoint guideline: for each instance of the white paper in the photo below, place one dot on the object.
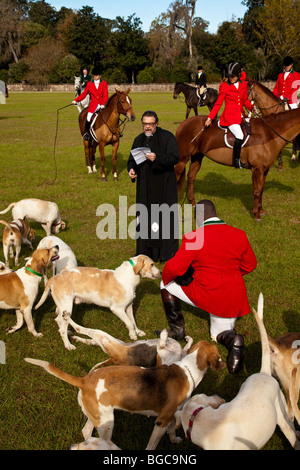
(139, 154)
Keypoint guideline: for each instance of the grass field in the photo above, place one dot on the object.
(40, 412)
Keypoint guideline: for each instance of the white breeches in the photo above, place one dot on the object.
(237, 131)
(217, 324)
(89, 115)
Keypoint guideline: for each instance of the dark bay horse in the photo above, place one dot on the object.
(268, 103)
(107, 129)
(267, 139)
(193, 99)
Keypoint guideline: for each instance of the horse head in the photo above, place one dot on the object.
(176, 91)
(124, 104)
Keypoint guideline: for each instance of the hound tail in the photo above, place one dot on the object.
(44, 295)
(266, 358)
(8, 208)
(7, 225)
(76, 381)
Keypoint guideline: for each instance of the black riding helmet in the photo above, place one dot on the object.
(234, 69)
(288, 60)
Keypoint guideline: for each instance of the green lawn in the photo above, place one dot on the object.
(37, 410)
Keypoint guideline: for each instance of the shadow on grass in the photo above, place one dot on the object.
(216, 185)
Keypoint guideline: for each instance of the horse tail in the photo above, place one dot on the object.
(8, 208)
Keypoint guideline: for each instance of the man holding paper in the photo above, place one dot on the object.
(151, 164)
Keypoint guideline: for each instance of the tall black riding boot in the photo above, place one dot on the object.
(86, 135)
(237, 154)
(174, 316)
(235, 346)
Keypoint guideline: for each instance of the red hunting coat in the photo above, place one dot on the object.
(288, 87)
(235, 101)
(98, 96)
(219, 266)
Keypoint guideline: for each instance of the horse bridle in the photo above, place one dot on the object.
(115, 130)
(281, 103)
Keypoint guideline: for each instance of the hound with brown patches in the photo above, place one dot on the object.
(4, 269)
(103, 287)
(18, 290)
(144, 353)
(14, 234)
(67, 259)
(285, 364)
(45, 212)
(94, 443)
(157, 391)
(250, 419)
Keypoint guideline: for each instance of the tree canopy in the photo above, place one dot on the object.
(39, 44)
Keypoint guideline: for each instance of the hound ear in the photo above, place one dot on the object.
(140, 263)
(127, 92)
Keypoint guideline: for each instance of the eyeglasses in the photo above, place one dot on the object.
(148, 124)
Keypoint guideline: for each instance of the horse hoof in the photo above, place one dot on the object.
(257, 219)
(104, 179)
(116, 178)
(262, 213)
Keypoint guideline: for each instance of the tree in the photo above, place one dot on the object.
(41, 60)
(130, 46)
(86, 35)
(11, 31)
(279, 27)
(181, 17)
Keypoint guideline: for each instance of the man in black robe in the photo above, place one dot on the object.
(157, 230)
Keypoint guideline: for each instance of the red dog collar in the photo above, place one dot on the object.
(191, 422)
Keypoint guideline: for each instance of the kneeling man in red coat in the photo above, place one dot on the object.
(218, 256)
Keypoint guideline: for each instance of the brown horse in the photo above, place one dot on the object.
(268, 103)
(267, 139)
(107, 130)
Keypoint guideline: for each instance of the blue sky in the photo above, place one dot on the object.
(214, 11)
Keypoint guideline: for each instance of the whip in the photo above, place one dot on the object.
(54, 148)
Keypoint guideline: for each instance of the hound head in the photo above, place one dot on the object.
(144, 266)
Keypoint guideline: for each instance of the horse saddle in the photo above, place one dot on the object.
(93, 120)
(229, 137)
(201, 94)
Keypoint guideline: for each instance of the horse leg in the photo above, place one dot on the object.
(194, 168)
(188, 110)
(258, 181)
(280, 163)
(102, 157)
(196, 110)
(115, 147)
(93, 157)
(88, 155)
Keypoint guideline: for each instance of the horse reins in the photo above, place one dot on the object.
(114, 130)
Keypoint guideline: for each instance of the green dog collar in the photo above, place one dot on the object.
(131, 262)
(33, 271)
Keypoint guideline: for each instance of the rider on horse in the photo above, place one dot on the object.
(234, 92)
(288, 83)
(85, 77)
(98, 91)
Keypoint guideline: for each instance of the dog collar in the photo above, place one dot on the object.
(33, 271)
(191, 422)
(131, 262)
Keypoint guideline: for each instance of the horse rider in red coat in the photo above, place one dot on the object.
(215, 257)
(288, 83)
(98, 91)
(233, 92)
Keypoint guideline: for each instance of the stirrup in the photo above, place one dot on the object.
(241, 165)
(86, 136)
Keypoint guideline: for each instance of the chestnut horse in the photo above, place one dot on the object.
(268, 103)
(268, 137)
(107, 130)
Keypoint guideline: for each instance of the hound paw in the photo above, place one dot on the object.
(140, 333)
